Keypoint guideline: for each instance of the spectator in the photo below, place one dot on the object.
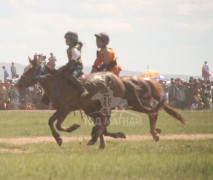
(52, 57)
(13, 70)
(172, 93)
(189, 89)
(51, 61)
(205, 71)
(181, 95)
(204, 96)
(6, 75)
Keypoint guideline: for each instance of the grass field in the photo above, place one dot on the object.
(166, 159)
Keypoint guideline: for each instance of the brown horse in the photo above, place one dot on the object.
(65, 98)
(139, 91)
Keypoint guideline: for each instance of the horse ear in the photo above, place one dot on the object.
(30, 60)
(37, 61)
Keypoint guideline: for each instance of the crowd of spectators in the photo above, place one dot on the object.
(30, 98)
(194, 94)
(13, 99)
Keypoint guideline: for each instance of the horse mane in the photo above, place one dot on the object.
(62, 68)
(50, 70)
(59, 72)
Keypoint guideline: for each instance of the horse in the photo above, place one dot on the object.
(65, 98)
(148, 92)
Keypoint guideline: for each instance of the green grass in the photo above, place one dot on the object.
(35, 123)
(172, 159)
(126, 160)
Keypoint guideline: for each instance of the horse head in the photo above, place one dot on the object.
(31, 72)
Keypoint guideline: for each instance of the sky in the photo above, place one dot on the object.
(170, 36)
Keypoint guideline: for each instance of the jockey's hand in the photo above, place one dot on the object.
(102, 67)
(111, 64)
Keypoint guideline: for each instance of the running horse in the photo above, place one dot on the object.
(65, 98)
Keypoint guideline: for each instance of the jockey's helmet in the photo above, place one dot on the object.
(72, 35)
(103, 36)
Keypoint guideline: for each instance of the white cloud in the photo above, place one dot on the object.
(35, 22)
(194, 7)
(24, 3)
(184, 26)
(17, 47)
(198, 15)
(152, 20)
(186, 8)
(137, 4)
(36, 31)
(5, 23)
(204, 26)
(39, 26)
(104, 8)
(111, 25)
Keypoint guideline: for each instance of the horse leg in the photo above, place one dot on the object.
(158, 130)
(106, 133)
(102, 142)
(97, 131)
(61, 118)
(153, 130)
(52, 119)
(114, 135)
(152, 119)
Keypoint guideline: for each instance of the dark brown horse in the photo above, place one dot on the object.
(148, 93)
(65, 98)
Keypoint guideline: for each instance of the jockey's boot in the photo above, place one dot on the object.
(80, 86)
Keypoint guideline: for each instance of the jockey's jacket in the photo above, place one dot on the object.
(106, 56)
(74, 54)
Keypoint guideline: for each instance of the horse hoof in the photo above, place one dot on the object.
(158, 130)
(90, 143)
(121, 135)
(102, 146)
(73, 127)
(76, 126)
(156, 138)
(59, 141)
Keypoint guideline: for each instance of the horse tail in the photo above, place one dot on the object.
(157, 93)
(174, 113)
(160, 105)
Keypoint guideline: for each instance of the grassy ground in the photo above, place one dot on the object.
(35, 123)
(173, 159)
(126, 160)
